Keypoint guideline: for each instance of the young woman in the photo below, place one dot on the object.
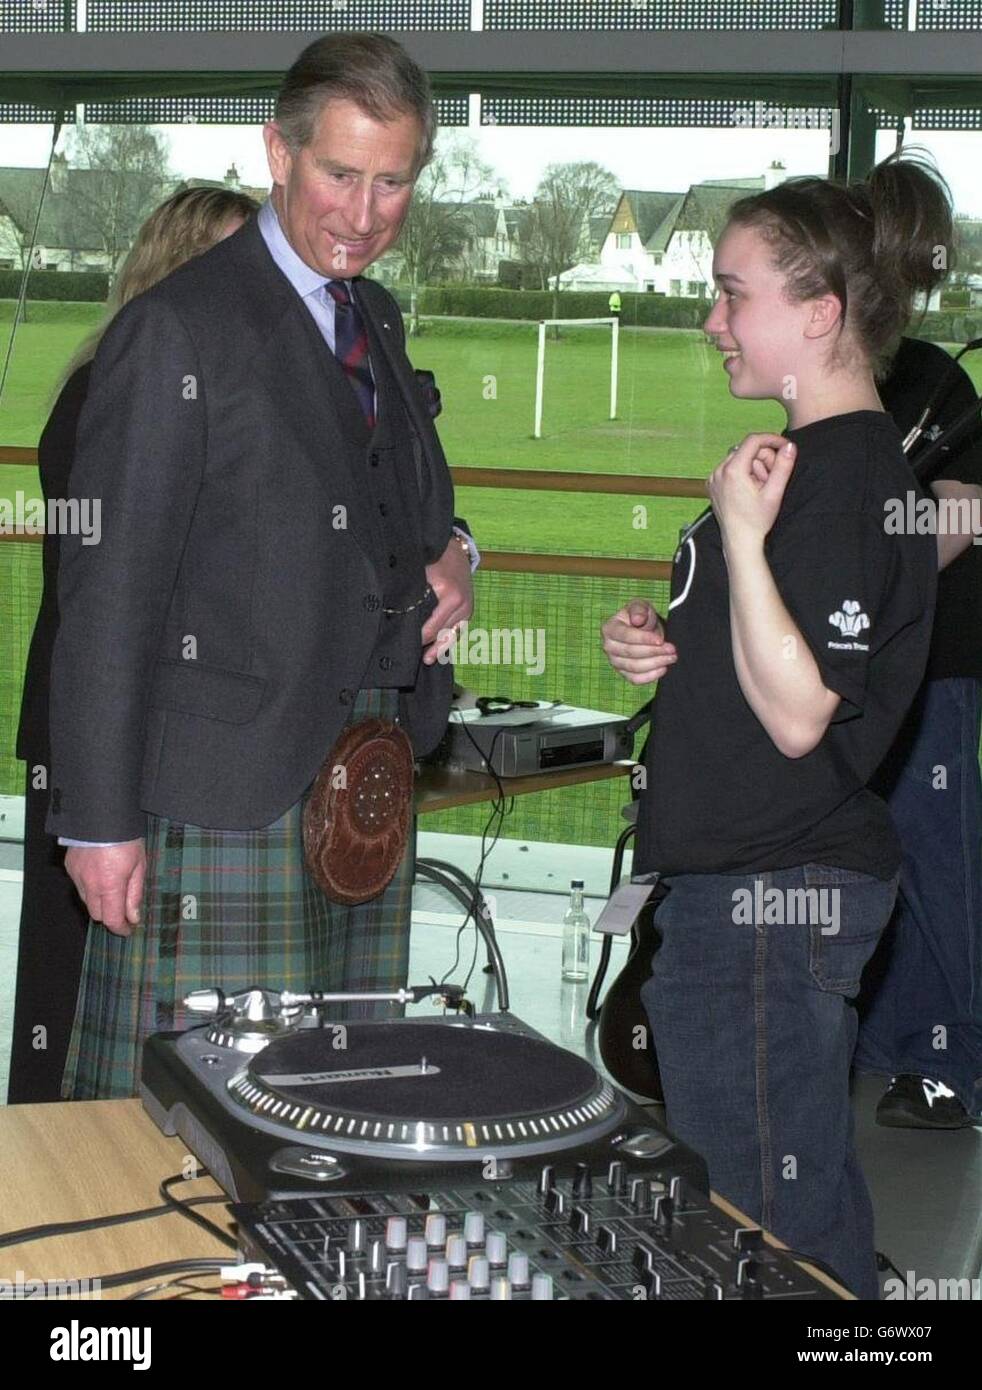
(53, 918)
(796, 637)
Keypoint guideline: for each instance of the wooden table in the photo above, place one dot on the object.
(76, 1159)
(81, 1159)
(440, 789)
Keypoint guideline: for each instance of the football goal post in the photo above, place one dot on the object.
(540, 373)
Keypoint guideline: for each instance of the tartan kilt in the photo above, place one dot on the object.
(236, 909)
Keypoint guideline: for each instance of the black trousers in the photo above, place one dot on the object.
(53, 923)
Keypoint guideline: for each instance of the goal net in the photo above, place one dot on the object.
(540, 372)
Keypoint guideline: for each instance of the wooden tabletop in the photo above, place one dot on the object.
(78, 1159)
(440, 789)
(82, 1159)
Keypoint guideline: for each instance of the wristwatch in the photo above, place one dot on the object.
(469, 547)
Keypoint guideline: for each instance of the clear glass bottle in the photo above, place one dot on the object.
(576, 936)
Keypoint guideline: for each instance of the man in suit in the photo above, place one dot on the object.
(278, 559)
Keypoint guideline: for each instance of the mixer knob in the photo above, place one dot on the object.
(579, 1220)
(607, 1240)
(438, 1278)
(376, 1259)
(615, 1178)
(416, 1292)
(582, 1181)
(676, 1190)
(436, 1230)
(356, 1237)
(541, 1287)
(362, 1288)
(456, 1252)
(474, 1228)
(479, 1273)
(547, 1179)
(639, 1194)
(416, 1255)
(712, 1289)
(497, 1248)
(651, 1282)
(500, 1289)
(395, 1279)
(746, 1269)
(395, 1233)
(643, 1258)
(459, 1289)
(752, 1288)
(518, 1269)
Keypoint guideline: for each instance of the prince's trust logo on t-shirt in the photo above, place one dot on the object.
(851, 621)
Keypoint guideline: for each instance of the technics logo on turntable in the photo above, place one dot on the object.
(317, 1078)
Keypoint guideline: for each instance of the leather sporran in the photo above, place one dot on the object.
(357, 815)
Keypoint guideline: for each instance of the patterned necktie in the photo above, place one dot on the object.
(351, 346)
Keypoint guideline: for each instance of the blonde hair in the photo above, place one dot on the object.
(184, 225)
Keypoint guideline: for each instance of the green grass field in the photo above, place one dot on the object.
(675, 418)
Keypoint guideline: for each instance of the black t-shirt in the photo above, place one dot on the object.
(956, 646)
(720, 797)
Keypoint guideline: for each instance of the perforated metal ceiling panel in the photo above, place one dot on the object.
(231, 110)
(274, 16)
(573, 15)
(645, 111)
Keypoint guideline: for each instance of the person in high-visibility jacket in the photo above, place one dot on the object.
(614, 304)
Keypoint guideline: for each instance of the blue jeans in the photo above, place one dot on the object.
(754, 1030)
(921, 1009)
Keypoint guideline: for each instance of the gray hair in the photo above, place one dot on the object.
(373, 71)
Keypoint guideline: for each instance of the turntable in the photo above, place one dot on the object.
(452, 1157)
(276, 1099)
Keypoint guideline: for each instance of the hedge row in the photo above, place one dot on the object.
(84, 285)
(470, 301)
(951, 325)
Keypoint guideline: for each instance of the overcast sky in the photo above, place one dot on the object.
(652, 158)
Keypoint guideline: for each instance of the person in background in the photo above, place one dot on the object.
(614, 304)
(921, 1003)
(53, 919)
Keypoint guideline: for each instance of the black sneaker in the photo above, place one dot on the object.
(917, 1102)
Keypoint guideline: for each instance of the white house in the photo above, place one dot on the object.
(663, 241)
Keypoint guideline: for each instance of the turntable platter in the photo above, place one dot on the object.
(422, 1088)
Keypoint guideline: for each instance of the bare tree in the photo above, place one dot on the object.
(127, 175)
(437, 228)
(556, 230)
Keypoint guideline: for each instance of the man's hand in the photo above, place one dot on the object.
(634, 640)
(110, 881)
(450, 579)
(747, 488)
